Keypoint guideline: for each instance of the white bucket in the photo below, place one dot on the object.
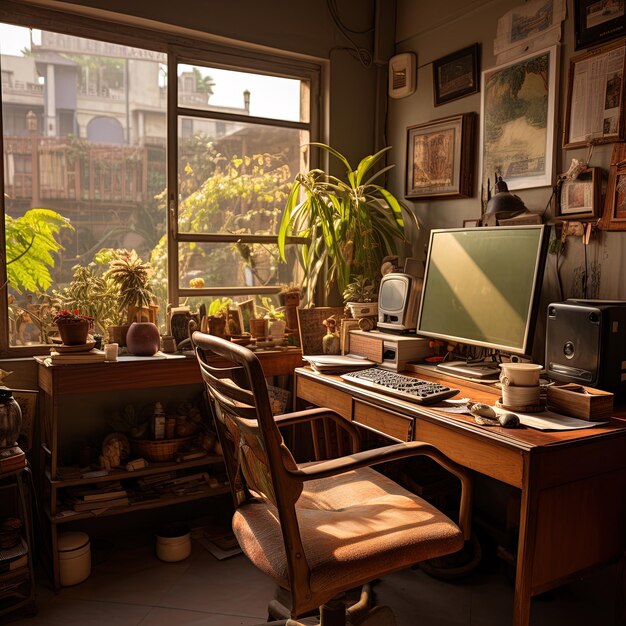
(173, 543)
(74, 551)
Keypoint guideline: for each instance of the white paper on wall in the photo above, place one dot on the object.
(529, 27)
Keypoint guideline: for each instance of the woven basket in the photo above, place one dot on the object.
(158, 449)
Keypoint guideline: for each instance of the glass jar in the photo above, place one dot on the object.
(10, 418)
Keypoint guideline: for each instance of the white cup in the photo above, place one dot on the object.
(519, 398)
(110, 352)
(520, 374)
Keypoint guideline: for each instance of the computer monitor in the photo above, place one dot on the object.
(482, 287)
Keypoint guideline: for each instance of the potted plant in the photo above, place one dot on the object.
(132, 276)
(275, 317)
(360, 297)
(351, 224)
(73, 326)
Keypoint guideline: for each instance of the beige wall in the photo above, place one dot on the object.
(432, 30)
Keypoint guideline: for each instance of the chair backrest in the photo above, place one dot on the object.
(244, 418)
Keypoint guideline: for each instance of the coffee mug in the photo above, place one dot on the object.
(520, 374)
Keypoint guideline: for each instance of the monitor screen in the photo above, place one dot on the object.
(482, 286)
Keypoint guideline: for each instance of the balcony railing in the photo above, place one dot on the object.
(49, 168)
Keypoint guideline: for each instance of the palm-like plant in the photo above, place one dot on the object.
(350, 224)
(132, 276)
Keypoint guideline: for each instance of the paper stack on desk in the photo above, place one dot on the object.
(338, 364)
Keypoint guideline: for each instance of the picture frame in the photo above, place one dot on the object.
(312, 329)
(471, 223)
(439, 158)
(27, 400)
(580, 198)
(235, 321)
(456, 75)
(247, 309)
(517, 134)
(596, 84)
(597, 22)
(614, 215)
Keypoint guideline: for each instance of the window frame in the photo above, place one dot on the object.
(199, 48)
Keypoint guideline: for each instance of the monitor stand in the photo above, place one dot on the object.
(482, 370)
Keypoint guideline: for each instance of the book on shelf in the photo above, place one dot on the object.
(108, 492)
(79, 505)
(92, 356)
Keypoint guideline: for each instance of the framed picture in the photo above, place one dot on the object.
(247, 308)
(439, 158)
(456, 75)
(518, 119)
(598, 21)
(580, 198)
(27, 400)
(595, 96)
(614, 217)
(311, 328)
(235, 321)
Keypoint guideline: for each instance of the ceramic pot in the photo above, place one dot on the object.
(276, 328)
(143, 339)
(74, 332)
(258, 327)
(363, 309)
(217, 325)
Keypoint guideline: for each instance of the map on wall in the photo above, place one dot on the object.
(517, 129)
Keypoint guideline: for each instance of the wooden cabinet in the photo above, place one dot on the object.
(75, 400)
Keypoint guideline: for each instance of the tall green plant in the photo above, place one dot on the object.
(31, 241)
(351, 224)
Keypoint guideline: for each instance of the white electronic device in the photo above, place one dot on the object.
(402, 75)
(387, 350)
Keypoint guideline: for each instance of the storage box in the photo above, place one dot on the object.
(74, 551)
(389, 350)
(582, 402)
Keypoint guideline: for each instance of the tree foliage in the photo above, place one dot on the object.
(31, 242)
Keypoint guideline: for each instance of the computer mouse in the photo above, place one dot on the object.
(508, 420)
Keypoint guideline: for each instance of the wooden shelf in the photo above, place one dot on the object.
(153, 468)
(61, 518)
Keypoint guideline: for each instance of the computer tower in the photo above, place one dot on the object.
(586, 344)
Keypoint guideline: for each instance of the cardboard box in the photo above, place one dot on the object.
(585, 403)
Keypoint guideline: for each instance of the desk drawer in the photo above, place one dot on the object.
(475, 453)
(324, 396)
(385, 422)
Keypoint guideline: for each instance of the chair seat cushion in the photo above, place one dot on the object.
(355, 527)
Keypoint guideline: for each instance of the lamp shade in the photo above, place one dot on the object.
(503, 203)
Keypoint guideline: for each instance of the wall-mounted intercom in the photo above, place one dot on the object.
(402, 75)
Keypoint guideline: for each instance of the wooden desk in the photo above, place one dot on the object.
(572, 483)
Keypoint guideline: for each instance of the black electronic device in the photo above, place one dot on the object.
(482, 288)
(586, 343)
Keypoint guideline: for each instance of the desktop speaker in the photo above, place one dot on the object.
(586, 344)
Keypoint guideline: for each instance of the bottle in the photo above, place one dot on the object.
(10, 418)
(158, 422)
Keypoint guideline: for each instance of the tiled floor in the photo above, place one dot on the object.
(129, 586)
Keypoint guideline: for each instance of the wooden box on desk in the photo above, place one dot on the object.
(586, 403)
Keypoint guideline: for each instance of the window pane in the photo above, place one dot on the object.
(235, 177)
(84, 137)
(233, 265)
(242, 93)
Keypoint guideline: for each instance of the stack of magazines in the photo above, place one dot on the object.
(338, 364)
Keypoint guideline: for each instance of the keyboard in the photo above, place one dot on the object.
(400, 386)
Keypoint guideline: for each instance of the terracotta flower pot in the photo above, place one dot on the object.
(143, 339)
(73, 332)
(258, 327)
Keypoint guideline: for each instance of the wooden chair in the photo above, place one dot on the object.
(321, 528)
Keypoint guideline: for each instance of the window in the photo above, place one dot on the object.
(103, 151)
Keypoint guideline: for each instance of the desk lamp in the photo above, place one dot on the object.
(502, 205)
